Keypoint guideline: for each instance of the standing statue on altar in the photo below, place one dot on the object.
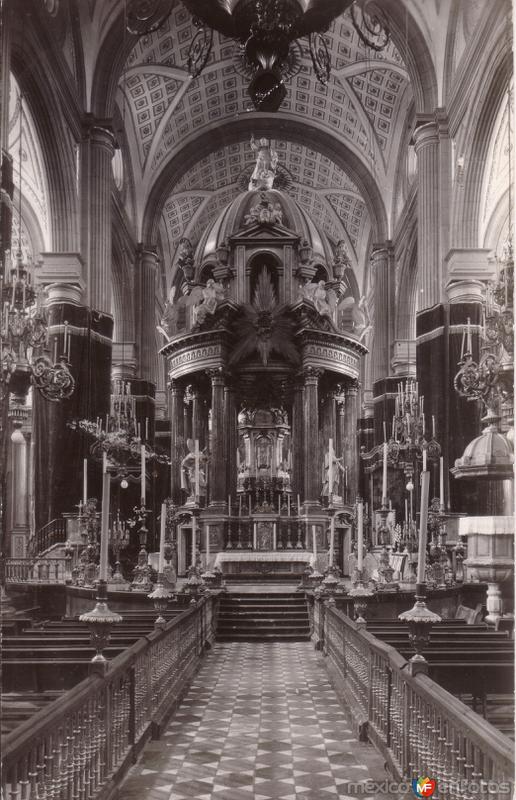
(193, 474)
(266, 162)
(331, 474)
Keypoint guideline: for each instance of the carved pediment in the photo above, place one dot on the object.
(264, 233)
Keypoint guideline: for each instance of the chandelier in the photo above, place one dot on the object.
(266, 31)
(23, 327)
(120, 435)
(408, 442)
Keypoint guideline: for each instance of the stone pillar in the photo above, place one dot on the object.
(96, 181)
(197, 432)
(312, 471)
(231, 438)
(381, 263)
(217, 466)
(147, 273)
(426, 143)
(176, 444)
(350, 437)
(297, 441)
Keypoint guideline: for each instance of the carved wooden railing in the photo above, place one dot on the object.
(420, 728)
(81, 745)
(38, 570)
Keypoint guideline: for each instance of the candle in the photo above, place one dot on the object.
(423, 517)
(384, 431)
(104, 530)
(288, 504)
(441, 482)
(229, 505)
(142, 478)
(384, 481)
(393, 426)
(332, 539)
(406, 510)
(314, 540)
(161, 562)
(84, 480)
(390, 505)
(207, 546)
(424, 459)
(360, 535)
(433, 427)
(147, 428)
(299, 505)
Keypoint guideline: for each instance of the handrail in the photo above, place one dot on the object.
(419, 727)
(53, 570)
(80, 744)
(53, 532)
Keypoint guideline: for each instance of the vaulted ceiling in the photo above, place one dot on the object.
(363, 109)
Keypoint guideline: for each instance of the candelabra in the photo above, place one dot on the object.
(119, 540)
(408, 442)
(142, 572)
(86, 572)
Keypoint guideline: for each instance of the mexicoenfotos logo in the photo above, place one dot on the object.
(424, 787)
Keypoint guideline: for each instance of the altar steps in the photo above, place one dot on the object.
(263, 618)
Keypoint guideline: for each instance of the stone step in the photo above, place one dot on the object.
(259, 617)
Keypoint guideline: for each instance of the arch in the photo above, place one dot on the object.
(412, 45)
(497, 73)
(231, 132)
(255, 267)
(32, 69)
(113, 54)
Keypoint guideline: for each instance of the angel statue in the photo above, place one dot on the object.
(205, 299)
(266, 162)
(167, 324)
(354, 315)
(193, 473)
(325, 300)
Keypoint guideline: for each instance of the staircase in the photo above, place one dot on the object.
(263, 618)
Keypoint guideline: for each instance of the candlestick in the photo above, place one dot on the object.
(332, 540)
(84, 480)
(384, 481)
(433, 427)
(384, 431)
(299, 505)
(441, 482)
(161, 561)
(104, 530)
(424, 459)
(194, 538)
(142, 478)
(229, 505)
(406, 510)
(147, 428)
(423, 519)
(360, 535)
(207, 547)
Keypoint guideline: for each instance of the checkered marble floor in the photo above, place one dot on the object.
(260, 721)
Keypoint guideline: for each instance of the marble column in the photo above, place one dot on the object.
(312, 467)
(381, 263)
(96, 181)
(231, 438)
(426, 144)
(218, 494)
(350, 436)
(297, 440)
(197, 432)
(147, 266)
(176, 428)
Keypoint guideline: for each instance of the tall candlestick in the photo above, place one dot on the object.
(424, 459)
(441, 482)
(161, 561)
(360, 535)
(147, 428)
(332, 540)
(433, 427)
(194, 539)
(423, 519)
(84, 481)
(384, 431)
(142, 478)
(207, 547)
(299, 505)
(384, 481)
(104, 529)
(406, 510)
